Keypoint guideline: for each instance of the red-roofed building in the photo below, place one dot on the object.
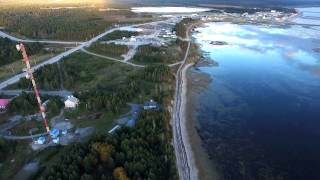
(4, 103)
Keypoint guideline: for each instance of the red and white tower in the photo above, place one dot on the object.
(21, 48)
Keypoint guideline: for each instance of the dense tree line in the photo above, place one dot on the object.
(112, 50)
(119, 35)
(144, 152)
(158, 55)
(26, 104)
(9, 53)
(157, 73)
(63, 24)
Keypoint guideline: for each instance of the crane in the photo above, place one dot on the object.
(20, 47)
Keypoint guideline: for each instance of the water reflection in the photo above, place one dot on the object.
(260, 115)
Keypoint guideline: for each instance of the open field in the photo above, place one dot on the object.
(17, 66)
(110, 50)
(148, 54)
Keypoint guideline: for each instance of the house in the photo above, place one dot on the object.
(56, 140)
(54, 133)
(40, 140)
(150, 105)
(4, 104)
(71, 102)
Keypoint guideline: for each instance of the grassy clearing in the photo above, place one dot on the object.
(16, 67)
(110, 50)
(148, 54)
(102, 121)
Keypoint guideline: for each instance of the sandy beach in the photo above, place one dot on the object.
(194, 84)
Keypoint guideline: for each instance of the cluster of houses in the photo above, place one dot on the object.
(54, 137)
(271, 15)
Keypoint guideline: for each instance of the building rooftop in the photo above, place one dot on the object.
(72, 99)
(4, 102)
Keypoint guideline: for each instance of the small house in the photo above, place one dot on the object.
(40, 140)
(71, 102)
(4, 104)
(54, 133)
(56, 140)
(150, 105)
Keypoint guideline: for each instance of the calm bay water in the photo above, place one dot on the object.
(260, 116)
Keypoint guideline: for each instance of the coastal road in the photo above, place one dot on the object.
(184, 157)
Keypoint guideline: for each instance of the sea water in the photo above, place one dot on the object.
(259, 118)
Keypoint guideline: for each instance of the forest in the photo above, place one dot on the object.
(6, 147)
(58, 24)
(144, 152)
(78, 24)
(26, 104)
(9, 53)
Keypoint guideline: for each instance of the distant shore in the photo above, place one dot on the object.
(195, 84)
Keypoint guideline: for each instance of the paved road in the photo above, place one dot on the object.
(62, 93)
(5, 35)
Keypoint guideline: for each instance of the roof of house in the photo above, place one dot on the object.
(151, 103)
(54, 132)
(4, 102)
(72, 99)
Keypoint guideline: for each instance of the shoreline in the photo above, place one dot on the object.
(194, 171)
(196, 83)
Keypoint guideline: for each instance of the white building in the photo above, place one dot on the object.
(150, 105)
(40, 140)
(71, 102)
